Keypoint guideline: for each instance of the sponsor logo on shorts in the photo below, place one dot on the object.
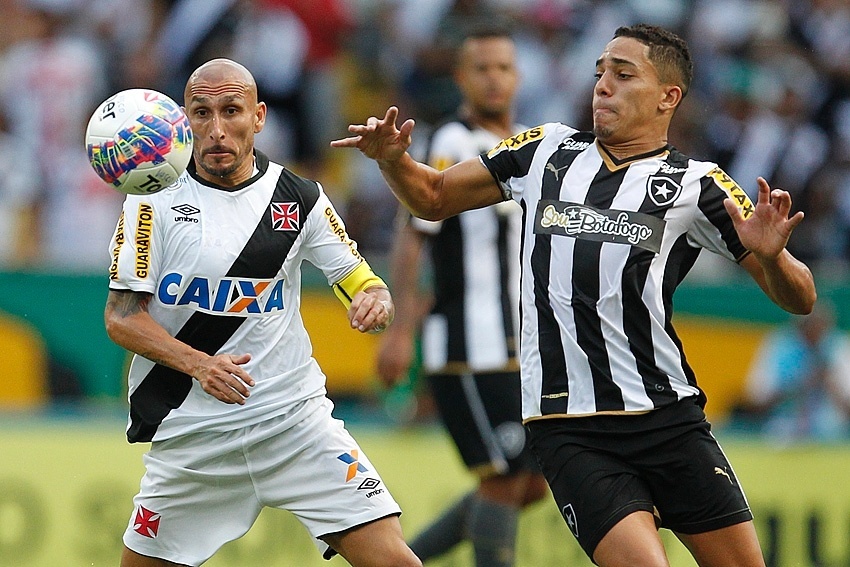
(186, 211)
(511, 436)
(146, 522)
(570, 517)
(354, 466)
(371, 484)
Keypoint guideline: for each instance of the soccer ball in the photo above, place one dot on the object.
(139, 141)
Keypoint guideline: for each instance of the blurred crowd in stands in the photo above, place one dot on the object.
(771, 96)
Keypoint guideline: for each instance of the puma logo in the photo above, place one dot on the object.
(555, 170)
(718, 470)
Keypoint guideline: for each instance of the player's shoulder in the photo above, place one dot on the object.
(556, 131)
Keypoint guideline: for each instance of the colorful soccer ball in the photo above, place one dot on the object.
(139, 141)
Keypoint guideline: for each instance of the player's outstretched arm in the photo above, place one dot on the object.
(424, 191)
(786, 280)
(129, 325)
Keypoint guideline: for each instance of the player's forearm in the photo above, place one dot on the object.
(130, 326)
(404, 275)
(789, 283)
(415, 184)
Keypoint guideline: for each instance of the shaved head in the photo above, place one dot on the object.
(225, 114)
(219, 75)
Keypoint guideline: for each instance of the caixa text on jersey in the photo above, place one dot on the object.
(224, 296)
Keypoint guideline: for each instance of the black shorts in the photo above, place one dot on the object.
(483, 415)
(665, 462)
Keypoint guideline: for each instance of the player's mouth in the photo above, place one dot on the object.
(217, 151)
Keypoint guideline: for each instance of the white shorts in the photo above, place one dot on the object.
(202, 490)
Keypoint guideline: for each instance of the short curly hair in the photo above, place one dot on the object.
(667, 51)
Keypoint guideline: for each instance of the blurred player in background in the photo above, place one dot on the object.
(798, 386)
(613, 221)
(469, 340)
(205, 289)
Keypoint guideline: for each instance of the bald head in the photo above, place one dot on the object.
(223, 110)
(221, 75)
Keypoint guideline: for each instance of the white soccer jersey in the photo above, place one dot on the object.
(605, 244)
(224, 268)
(475, 255)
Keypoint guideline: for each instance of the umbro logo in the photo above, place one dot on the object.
(186, 210)
(371, 484)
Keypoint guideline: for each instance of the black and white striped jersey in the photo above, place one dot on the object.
(474, 322)
(605, 244)
(224, 269)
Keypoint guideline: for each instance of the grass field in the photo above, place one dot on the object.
(66, 487)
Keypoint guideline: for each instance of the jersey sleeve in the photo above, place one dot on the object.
(134, 254)
(512, 157)
(713, 228)
(327, 245)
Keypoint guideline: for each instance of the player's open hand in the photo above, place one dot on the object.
(371, 310)
(379, 138)
(223, 377)
(765, 233)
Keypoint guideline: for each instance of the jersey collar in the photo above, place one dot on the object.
(261, 163)
(615, 164)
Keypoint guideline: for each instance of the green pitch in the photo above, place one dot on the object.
(66, 489)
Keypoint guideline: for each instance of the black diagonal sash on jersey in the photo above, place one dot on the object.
(636, 318)
(164, 388)
(555, 388)
(585, 279)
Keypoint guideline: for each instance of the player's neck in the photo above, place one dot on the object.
(499, 124)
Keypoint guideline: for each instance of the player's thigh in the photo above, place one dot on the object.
(195, 496)
(732, 546)
(375, 544)
(483, 415)
(594, 489)
(130, 558)
(632, 542)
(316, 470)
(693, 484)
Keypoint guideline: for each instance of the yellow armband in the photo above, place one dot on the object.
(362, 277)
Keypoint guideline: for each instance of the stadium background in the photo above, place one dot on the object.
(66, 472)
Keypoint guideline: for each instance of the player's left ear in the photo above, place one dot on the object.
(260, 117)
(671, 96)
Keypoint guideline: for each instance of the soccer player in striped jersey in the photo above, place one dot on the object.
(613, 221)
(469, 340)
(205, 288)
